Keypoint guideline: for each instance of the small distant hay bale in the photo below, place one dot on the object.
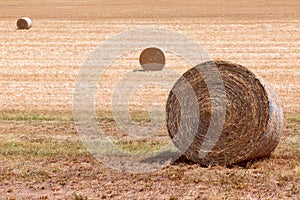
(24, 23)
(152, 59)
(253, 119)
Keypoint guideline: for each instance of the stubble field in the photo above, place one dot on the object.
(41, 155)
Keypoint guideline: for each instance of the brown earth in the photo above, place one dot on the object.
(46, 160)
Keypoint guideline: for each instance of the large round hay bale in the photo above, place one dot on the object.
(24, 23)
(152, 59)
(253, 117)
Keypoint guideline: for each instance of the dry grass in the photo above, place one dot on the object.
(248, 131)
(41, 154)
(32, 76)
(65, 116)
(21, 115)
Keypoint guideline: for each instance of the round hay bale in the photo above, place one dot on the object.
(24, 23)
(253, 119)
(152, 59)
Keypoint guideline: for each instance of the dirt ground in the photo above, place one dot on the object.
(46, 160)
(38, 69)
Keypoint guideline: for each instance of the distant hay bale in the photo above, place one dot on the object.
(253, 119)
(24, 23)
(152, 59)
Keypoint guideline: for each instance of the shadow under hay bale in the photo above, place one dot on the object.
(253, 118)
(24, 23)
(152, 59)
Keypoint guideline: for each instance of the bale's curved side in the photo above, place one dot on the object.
(24, 23)
(271, 137)
(251, 128)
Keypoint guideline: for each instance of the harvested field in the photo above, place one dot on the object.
(39, 67)
(41, 154)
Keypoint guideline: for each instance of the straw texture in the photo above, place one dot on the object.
(24, 23)
(152, 59)
(253, 121)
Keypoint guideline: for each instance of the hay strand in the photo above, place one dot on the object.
(253, 120)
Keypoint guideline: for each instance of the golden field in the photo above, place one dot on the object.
(41, 154)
